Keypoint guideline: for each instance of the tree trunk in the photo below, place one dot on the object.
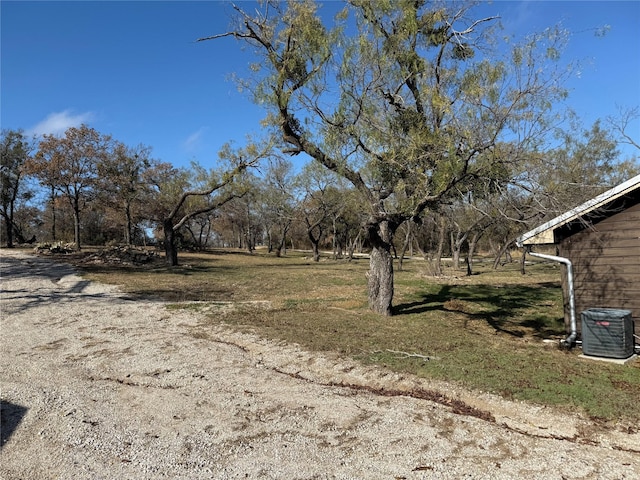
(316, 252)
(53, 214)
(170, 249)
(405, 245)
(281, 248)
(504, 250)
(269, 241)
(195, 241)
(129, 228)
(207, 235)
(9, 229)
(380, 281)
(455, 259)
(437, 264)
(315, 242)
(452, 242)
(380, 275)
(76, 223)
(334, 240)
(507, 256)
(8, 214)
(457, 243)
(352, 246)
(472, 247)
(248, 240)
(17, 232)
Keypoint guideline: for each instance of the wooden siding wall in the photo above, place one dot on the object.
(606, 264)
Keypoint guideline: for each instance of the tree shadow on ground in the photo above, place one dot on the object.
(516, 310)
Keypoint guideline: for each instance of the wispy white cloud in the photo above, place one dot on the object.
(193, 141)
(58, 122)
(524, 14)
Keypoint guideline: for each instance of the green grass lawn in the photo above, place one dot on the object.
(485, 331)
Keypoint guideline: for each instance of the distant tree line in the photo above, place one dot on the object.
(89, 189)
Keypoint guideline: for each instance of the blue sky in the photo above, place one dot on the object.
(132, 69)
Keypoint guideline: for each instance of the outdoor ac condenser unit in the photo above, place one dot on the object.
(607, 332)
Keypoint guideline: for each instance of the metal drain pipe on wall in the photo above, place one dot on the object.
(570, 340)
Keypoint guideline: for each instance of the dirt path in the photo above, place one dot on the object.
(95, 385)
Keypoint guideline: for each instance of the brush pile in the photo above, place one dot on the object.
(122, 255)
(54, 248)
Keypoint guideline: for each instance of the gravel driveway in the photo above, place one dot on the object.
(95, 385)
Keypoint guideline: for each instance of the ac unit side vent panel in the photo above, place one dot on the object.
(607, 332)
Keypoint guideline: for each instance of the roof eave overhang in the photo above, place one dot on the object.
(545, 233)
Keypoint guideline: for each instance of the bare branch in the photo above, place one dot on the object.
(413, 355)
(222, 35)
(206, 209)
(471, 28)
(621, 124)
